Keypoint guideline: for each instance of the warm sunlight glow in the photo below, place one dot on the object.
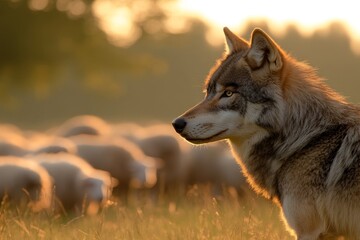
(37, 5)
(119, 19)
(307, 15)
(117, 22)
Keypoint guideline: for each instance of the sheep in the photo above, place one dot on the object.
(202, 166)
(167, 149)
(12, 132)
(12, 148)
(232, 178)
(78, 186)
(214, 165)
(12, 141)
(23, 181)
(55, 145)
(40, 142)
(83, 124)
(122, 159)
(127, 130)
(158, 141)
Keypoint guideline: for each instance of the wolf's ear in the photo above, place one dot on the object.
(262, 49)
(233, 42)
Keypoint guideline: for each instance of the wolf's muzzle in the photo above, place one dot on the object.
(179, 124)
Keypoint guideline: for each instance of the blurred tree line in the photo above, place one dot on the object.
(41, 40)
(56, 62)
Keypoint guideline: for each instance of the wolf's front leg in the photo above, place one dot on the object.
(302, 218)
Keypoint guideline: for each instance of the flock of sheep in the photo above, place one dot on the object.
(84, 163)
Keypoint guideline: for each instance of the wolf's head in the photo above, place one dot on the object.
(243, 92)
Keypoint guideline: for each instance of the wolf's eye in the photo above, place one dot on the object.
(227, 93)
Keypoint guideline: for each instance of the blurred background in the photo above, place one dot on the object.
(145, 60)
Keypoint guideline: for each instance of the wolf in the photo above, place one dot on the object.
(296, 140)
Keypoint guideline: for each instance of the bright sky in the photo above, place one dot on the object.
(307, 15)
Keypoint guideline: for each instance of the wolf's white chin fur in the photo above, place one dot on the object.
(216, 137)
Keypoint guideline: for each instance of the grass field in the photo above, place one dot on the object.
(194, 217)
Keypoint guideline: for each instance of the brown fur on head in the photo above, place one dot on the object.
(249, 74)
(257, 85)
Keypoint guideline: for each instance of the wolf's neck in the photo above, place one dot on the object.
(258, 173)
(311, 106)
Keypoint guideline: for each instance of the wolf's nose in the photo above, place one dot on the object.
(179, 124)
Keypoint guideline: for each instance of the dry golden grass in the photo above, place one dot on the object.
(191, 217)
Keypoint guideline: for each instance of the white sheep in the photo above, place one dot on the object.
(40, 142)
(202, 165)
(12, 141)
(83, 124)
(53, 144)
(127, 130)
(232, 178)
(23, 181)
(121, 158)
(159, 141)
(11, 148)
(77, 185)
(12, 133)
(166, 148)
(214, 165)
